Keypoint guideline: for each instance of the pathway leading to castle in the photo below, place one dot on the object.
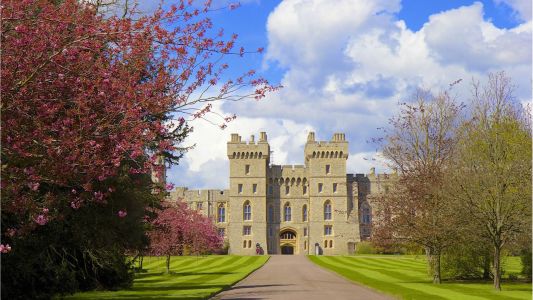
(296, 277)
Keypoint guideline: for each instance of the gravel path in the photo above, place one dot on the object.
(296, 277)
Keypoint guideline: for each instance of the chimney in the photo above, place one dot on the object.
(311, 136)
(252, 139)
(262, 136)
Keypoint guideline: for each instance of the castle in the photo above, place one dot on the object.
(315, 208)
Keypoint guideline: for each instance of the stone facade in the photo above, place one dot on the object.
(315, 208)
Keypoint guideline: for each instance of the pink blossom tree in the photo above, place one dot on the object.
(177, 228)
(86, 95)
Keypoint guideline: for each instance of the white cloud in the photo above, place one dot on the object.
(347, 65)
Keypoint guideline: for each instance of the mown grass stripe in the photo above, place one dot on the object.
(390, 287)
(383, 267)
(152, 285)
(411, 281)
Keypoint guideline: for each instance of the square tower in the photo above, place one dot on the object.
(247, 194)
(331, 229)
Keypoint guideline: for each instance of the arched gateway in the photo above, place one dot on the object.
(287, 241)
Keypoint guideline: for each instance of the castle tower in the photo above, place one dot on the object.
(246, 217)
(330, 225)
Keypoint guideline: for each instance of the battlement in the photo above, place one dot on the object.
(198, 195)
(239, 149)
(337, 147)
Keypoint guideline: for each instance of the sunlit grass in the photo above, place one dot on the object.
(191, 278)
(406, 276)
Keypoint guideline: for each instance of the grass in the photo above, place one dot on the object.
(190, 278)
(406, 277)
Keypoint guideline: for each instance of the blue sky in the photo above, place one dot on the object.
(345, 64)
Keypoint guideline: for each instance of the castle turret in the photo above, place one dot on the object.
(328, 198)
(247, 193)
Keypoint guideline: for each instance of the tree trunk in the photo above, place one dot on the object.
(168, 264)
(141, 262)
(497, 272)
(433, 257)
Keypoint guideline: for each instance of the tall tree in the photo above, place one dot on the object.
(81, 94)
(493, 169)
(419, 143)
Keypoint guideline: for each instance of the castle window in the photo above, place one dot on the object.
(247, 230)
(247, 211)
(221, 232)
(240, 188)
(305, 231)
(305, 245)
(270, 190)
(271, 214)
(331, 243)
(287, 210)
(334, 187)
(287, 190)
(327, 210)
(254, 188)
(198, 205)
(320, 187)
(305, 190)
(221, 213)
(244, 244)
(327, 169)
(328, 230)
(304, 213)
(366, 216)
(247, 169)
(325, 244)
(249, 244)
(269, 231)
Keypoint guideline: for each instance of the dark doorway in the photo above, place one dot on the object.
(287, 250)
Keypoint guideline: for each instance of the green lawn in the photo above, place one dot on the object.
(191, 278)
(406, 277)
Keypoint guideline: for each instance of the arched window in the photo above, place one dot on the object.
(287, 212)
(270, 214)
(366, 216)
(247, 211)
(221, 213)
(304, 213)
(327, 210)
(331, 243)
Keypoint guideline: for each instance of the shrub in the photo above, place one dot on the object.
(365, 248)
(525, 257)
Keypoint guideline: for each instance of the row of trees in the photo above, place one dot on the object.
(465, 185)
(90, 103)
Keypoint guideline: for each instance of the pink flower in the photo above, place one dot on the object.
(41, 220)
(45, 210)
(11, 232)
(33, 186)
(98, 196)
(122, 213)
(76, 204)
(169, 186)
(5, 249)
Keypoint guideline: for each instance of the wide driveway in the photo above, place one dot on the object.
(296, 277)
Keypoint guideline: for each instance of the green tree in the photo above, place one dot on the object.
(492, 172)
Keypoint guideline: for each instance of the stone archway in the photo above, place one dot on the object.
(287, 242)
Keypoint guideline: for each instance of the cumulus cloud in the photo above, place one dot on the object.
(347, 65)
